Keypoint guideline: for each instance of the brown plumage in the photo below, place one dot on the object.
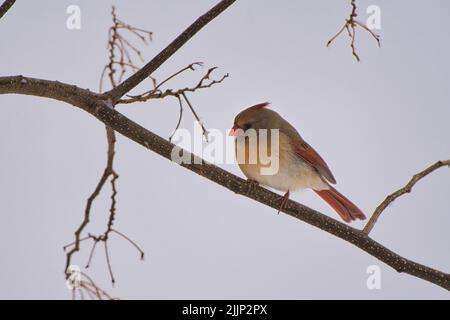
(300, 166)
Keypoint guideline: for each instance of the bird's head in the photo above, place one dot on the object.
(256, 117)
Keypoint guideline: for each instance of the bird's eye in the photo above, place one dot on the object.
(247, 126)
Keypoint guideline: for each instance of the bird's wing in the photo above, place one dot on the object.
(307, 153)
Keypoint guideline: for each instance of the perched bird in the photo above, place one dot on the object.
(300, 166)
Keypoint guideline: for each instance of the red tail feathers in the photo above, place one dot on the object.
(344, 207)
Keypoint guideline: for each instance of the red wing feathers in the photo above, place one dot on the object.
(308, 154)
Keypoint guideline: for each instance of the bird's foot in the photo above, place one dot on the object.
(252, 184)
(284, 202)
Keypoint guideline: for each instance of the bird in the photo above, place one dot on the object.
(299, 165)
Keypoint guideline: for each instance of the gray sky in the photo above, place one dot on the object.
(376, 123)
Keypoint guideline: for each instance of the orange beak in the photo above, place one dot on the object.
(234, 131)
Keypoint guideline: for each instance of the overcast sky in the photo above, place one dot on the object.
(376, 123)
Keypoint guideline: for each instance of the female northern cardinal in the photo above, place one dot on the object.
(300, 166)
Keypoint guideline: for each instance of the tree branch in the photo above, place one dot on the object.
(119, 60)
(98, 106)
(48, 89)
(406, 189)
(156, 62)
(101, 106)
(7, 4)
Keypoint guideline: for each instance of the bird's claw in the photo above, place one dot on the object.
(252, 184)
(284, 202)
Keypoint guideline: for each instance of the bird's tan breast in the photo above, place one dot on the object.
(292, 173)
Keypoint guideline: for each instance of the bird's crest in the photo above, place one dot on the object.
(260, 106)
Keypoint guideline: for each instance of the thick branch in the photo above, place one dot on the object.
(240, 186)
(101, 109)
(173, 47)
(7, 4)
(49, 89)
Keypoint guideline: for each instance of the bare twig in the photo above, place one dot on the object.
(91, 255)
(205, 132)
(180, 104)
(189, 67)
(350, 25)
(406, 189)
(88, 285)
(143, 73)
(81, 283)
(84, 223)
(6, 5)
(116, 42)
(108, 171)
(134, 244)
(119, 50)
(373, 34)
(108, 262)
(156, 93)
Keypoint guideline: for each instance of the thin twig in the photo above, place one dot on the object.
(143, 73)
(406, 189)
(72, 243)
(351, 25)
(91, 255)
(180, 104)
(156, 93)
(86, 219)
(108, 262)
(89, 285)
(373, 34)
(189, 67)
(118, 48)
(141, 252)
(205, 132)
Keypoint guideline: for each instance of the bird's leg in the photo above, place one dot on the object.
(252, 185)
(284, 202)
